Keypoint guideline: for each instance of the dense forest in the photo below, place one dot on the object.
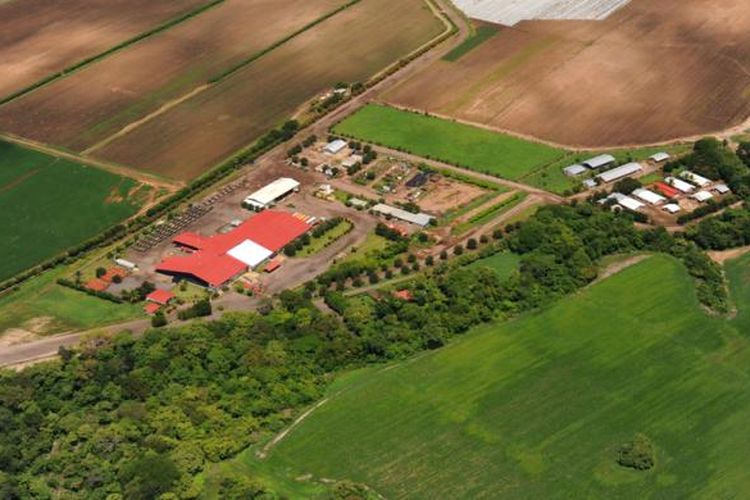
(140, 418)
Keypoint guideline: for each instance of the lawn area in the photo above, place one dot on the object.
(463, 145)
(49, 204)
(44, 307)
(503, 263)
(539, 406)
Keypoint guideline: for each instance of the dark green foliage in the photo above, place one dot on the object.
(638, 454)
(710, 207)
(159, 320)
(388, 233)
(200, 309)
(148, 477)
(627, 185)
(731, 229)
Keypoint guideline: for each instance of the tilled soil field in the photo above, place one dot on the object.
(40, 37)
(653, 71)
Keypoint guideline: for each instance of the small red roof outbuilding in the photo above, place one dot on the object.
(404, 295)
(151, 308)
(161, 297)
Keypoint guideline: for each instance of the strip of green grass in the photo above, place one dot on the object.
(481, 35)
(490, 213)
(538, 407)
(318, 244)
(49, 204)
(434, 138)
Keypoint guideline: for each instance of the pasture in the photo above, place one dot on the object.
(351, 46)
(85, 108)
(539, 406)
(582, 84)
(49, 204)
(60, 34)
(463, 145)
(42, 307)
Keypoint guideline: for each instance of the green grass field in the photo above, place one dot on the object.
(537, 407)
(503, 263)
(481, 35)
(44, 307)
(463, 145)
(49, 204)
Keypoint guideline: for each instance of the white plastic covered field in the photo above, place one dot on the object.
(511, 12)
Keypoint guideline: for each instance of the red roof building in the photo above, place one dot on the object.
(272, 266)
(97, 285)
(151, 307)
(404, 295)
(666, 189)
(161, 297)
(211, 264)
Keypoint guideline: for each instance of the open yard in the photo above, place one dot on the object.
(652, 71)
(83, 109)
(351, 46)
(49, 204)
(470, 147)
(41, 37)
(538, 407)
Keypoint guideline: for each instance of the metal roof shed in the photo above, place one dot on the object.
(660, 157)
(672, 208)
(574, 170)
(335, 147)
(620, 172)
(679, 185)
(702, 196)
(266, 195)
(649, 196)
(418, 219)
(695, 178)
(598, 162)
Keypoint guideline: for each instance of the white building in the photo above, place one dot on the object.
(679, 185)
(574, 170)
(696, 179)
(672, 208)
(722, 188)
(267, 196)
(335, 147)
(624, 201)
(598, 162)
(420, 219)
(351, 161)
(649, 196)
(620, 172)
(659, 157)
(703, 196)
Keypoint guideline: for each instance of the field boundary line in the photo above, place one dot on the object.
(83, 64)
(217, 79)
(142, 121)
(140, 176)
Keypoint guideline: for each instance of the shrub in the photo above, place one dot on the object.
(637, 454)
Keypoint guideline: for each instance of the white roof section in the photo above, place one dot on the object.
(511, 12)
(703, 196)
(336, 146)
(649, 196)
(660, 157)
(599, 161)
(624, 201)
(250, 253)
(272, 192)
(420, 219)
(695, 178)
(620, 172)
(680, 185)
(672, 208)
(722, 188)
(574, 170)
(590, 183)
(351, 161)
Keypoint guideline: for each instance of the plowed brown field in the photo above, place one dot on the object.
(82, 109)
(40, 37)
(653, 71)
(351, 46)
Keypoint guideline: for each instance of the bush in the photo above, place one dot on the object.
(159, 320)
(638, 454)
